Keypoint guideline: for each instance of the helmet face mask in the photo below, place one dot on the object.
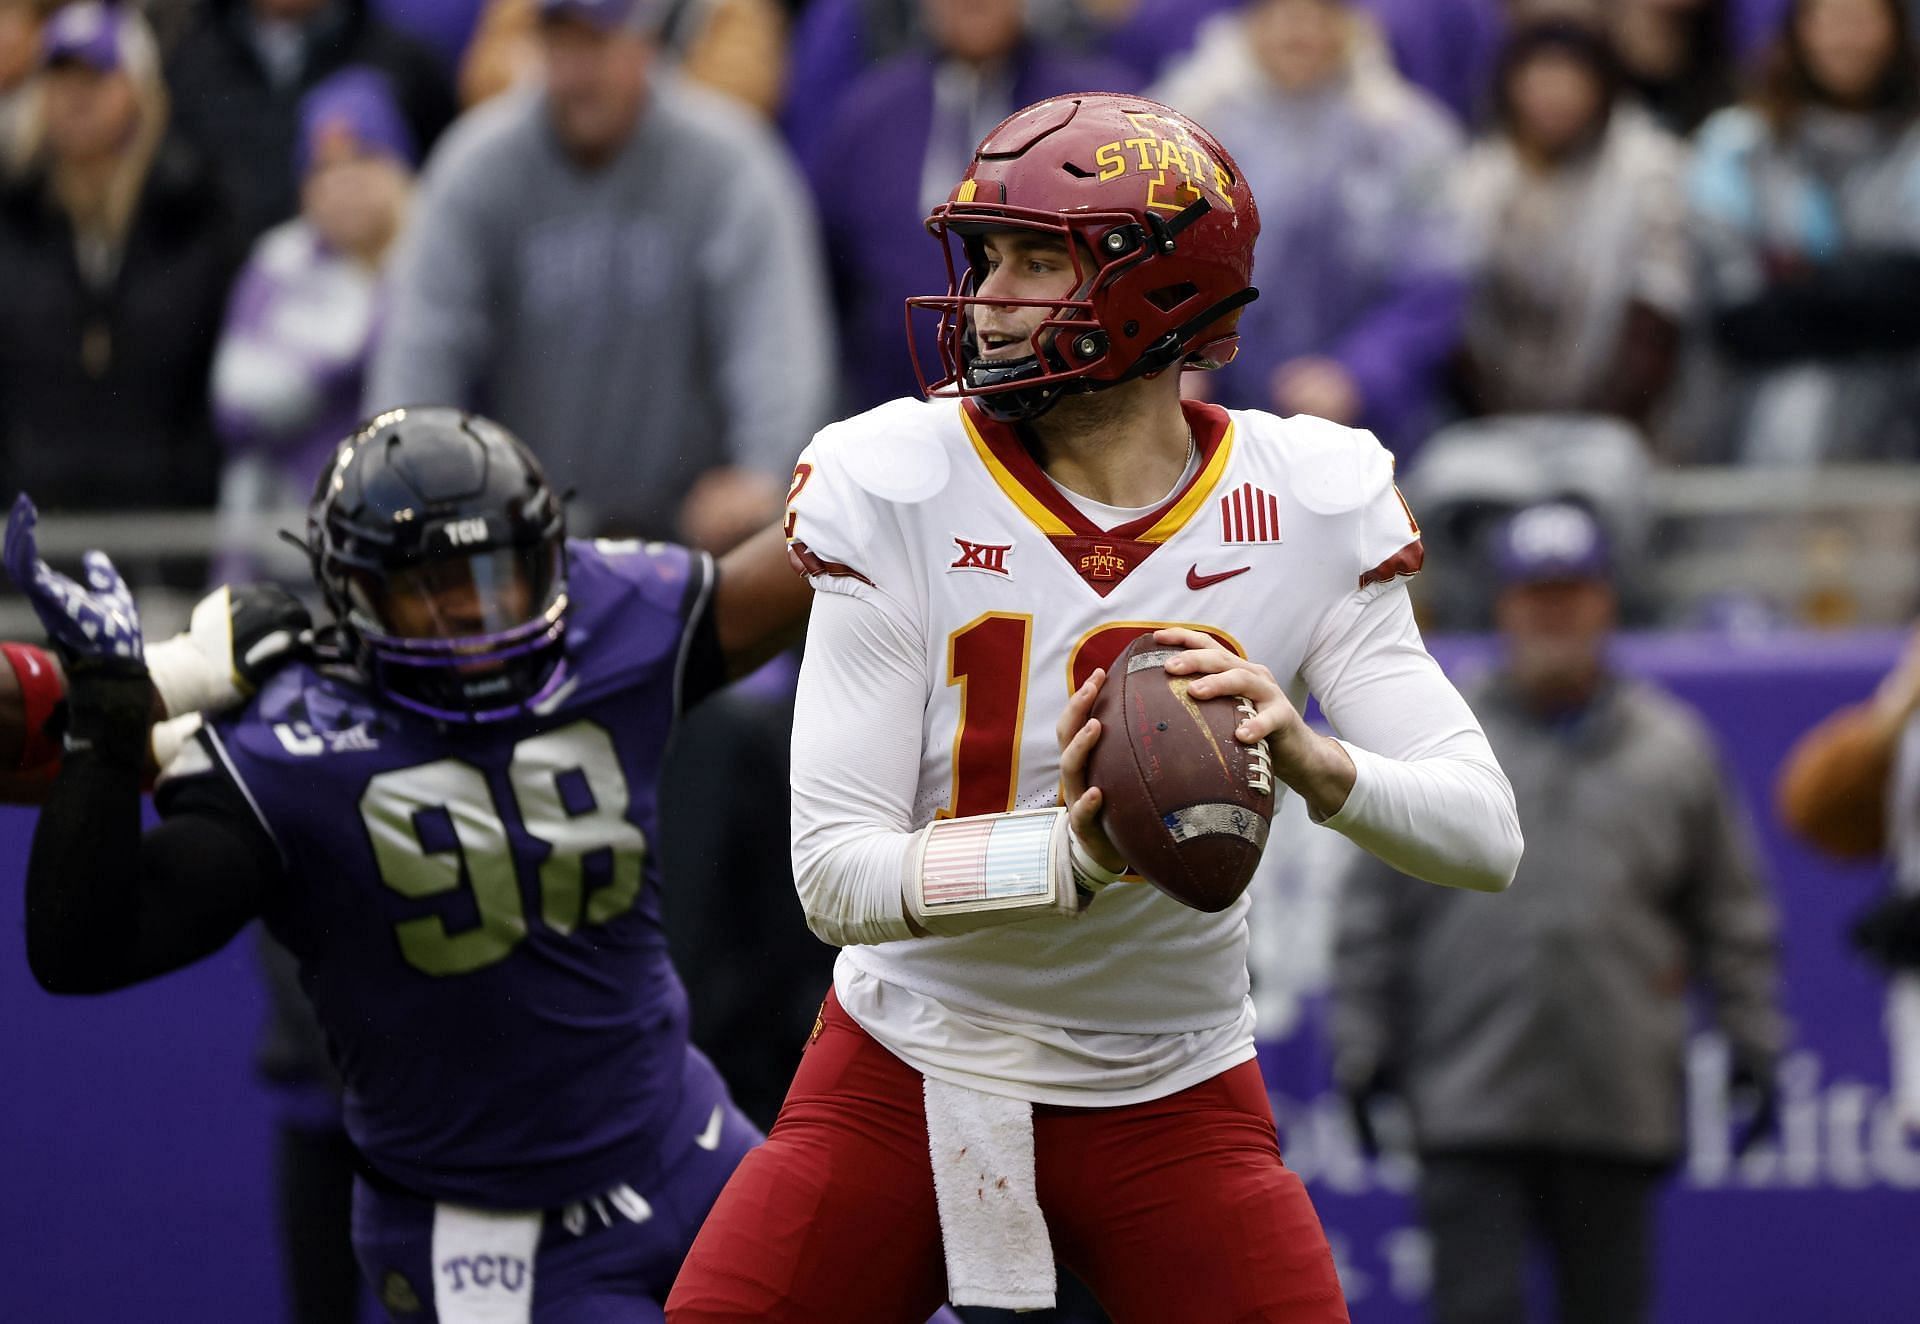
(1011, 388)
(441, 550)
(1160, 228)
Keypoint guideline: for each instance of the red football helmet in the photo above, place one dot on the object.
(1160, 225)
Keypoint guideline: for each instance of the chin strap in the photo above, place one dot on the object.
(1171, 348)
(1165, 231)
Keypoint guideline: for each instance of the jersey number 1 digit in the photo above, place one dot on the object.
(988, 659)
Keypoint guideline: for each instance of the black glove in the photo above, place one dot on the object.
(1753, 1099)
(1888, 932)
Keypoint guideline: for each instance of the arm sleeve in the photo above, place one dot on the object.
(108, 906)
(1733, 922)
(1428, 796)
(1832, 789)
(440, 314)
(772, 328)
(856, 765)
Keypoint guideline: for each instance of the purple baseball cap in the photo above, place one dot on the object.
(90, 33)
(1559, 540)
(642, 16)
(359, 103)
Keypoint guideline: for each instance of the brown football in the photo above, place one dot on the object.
(1185, 801)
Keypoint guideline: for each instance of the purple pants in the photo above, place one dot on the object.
(609, 1257)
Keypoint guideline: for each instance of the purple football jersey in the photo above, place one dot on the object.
(475, 909)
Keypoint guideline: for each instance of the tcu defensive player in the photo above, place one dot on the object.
(446, 817)
(1068, 1071)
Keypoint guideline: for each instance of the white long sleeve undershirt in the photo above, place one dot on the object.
(856, 765)
(1428, 796)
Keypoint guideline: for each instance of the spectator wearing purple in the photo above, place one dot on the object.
(835, 42)
(300, 326)
(1360, 259)
(115, 254)
(1447, 48)
(902, 138)
(1147, 35)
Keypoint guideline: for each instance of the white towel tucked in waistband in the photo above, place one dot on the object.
(483, 1265)
(998, 1251)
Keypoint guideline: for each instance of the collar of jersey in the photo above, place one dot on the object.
(1028, 487)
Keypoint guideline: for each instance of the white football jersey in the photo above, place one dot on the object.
(939, 516)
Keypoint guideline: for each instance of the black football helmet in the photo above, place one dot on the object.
(441, 550)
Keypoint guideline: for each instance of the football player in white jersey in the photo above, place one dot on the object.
(1026, 1056)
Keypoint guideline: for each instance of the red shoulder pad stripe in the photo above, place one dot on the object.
(805, 563)
(1406, 561)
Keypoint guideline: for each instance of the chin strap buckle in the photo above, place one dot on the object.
(1165, 231)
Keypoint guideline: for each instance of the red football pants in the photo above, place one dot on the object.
(1177, 1211)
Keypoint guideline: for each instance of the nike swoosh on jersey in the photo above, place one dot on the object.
(709, 1139)
(1196, 580)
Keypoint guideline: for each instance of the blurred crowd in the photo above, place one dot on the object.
(665, 239)
(1542, 247)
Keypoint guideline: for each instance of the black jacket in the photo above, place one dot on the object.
(224, 103)
(103, 393)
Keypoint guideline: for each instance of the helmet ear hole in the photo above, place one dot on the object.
(1169, 297)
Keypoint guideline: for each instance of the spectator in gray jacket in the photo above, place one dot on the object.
(1539, 1042)
(624, 269)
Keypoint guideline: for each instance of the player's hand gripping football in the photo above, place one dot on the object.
(94, 625)
(1077, 730)
(1316, 767)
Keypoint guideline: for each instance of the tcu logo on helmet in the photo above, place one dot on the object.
(466, 532)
